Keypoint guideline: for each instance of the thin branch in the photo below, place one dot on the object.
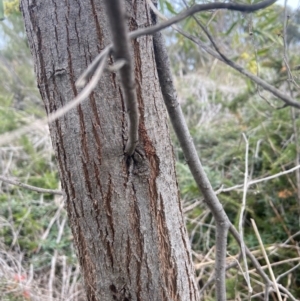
(221, 57)
(212, 277)
(289, 260)
(52, 275)
(200, 177)
(259, 180)
(287, 272)
(205, 264)
(198, 8)
(267, 259)
(92, 68)
(121, 46)
(266, 292)
(292, 237)
(241, 219)
(192, 159)
(254, 261)
(257, 266)
(26, 186)
(287, 292)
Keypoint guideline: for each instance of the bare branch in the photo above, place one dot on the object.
(89, 72)
(192, 159)
(198, 8)
(287, 272)
(287, 292)
(259, 180)
(254, 261)
(241, 219)
(26, 186)
(266, 258)
(120, 38)
(212, 277)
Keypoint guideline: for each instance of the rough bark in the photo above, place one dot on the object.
(125, 215)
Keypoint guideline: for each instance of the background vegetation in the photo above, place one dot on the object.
(37, 260)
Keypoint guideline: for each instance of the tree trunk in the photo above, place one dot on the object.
(125, 215)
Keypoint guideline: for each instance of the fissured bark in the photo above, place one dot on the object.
(125, 215)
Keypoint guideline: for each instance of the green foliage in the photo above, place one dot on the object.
(12, 7)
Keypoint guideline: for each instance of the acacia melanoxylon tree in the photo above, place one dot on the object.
(125, 215)
(121, 193)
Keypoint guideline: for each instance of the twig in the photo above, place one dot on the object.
(192, 206)
(26, 186)
(259, 180)
(201, 265)
(279, 263)
(267, 291)
(241, 219)
(287, 292)
(287, 272)
(64, 277)
(198, 8)
(46, 233)
(267, 259)
(61, 230)
(212, 277)
(92, 68)
(258, 267)
(292, 237)
(297, 159)
(254, 261)
(120, 38)
(54, 218)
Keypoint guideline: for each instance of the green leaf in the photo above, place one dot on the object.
(263, 51)
(170, 8)
(231, 28)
